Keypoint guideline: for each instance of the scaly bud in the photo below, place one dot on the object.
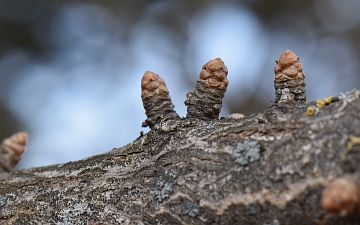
(156, 99)
(10, 151)
(206, 100)
(289, 79)
(341, 197)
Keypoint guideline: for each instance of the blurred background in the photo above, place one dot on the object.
(71, 70)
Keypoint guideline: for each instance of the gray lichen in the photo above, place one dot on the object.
(191, 209)
(246, 152)
(3, 200)
(274, 222)
(251, 209)
(73, 215)
(162, 190)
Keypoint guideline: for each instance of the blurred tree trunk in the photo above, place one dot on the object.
(267, 168)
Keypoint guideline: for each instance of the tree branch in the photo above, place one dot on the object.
(293, 163)
(267, 168)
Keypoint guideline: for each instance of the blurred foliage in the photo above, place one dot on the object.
(8, 124)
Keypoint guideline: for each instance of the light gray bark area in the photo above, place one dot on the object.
(267, 168)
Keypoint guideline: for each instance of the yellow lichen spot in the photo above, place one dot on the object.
(320, 103)
(328, 99)
(349, 145)
(305, 161)
(310, 110)
(315, 170)
(343, 156)
(354, 139)
(330, 145)
(277, 192)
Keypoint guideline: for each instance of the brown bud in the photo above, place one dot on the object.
(10, 151)
(289, 78)
(156, 99)
(206, 100)
(341, 197)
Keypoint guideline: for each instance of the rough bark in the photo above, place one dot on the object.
(267, 168)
